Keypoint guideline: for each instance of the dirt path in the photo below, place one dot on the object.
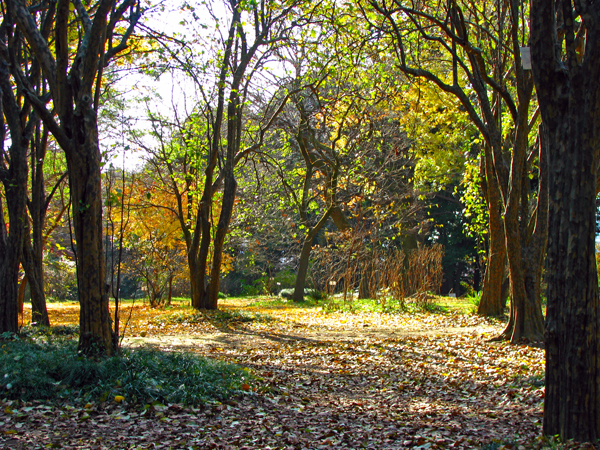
(371, 388)
(248, 339)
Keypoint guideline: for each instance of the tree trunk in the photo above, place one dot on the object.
(572, 402)
(365, 285)
(303, 267)
(524, 246)
(35, 277)
(224, 219)
(11, 245)
(33, 245)
(566, 67)
(14, 180)
(84, 166)
(492, 304)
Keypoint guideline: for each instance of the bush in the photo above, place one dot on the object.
(51, 370)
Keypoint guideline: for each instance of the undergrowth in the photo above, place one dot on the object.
(49, 368)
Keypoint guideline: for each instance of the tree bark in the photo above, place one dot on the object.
(303, 264)
(492, 303)
(13, 176)
(569, 97)
(11, 245)
(84, 165)
(227, 205)
(35, 278)
(572, 402)
(33, 245)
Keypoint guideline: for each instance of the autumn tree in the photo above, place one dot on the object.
(445, 146)
(501, 109)
(72, 45)
(565, 45)
(224, 129)
(156, 251)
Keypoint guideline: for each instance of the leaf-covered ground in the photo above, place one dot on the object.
(322, 380)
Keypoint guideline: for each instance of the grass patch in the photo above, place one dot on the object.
(50, 369)
(362, 305)
(437, 305)
(462, 305)
(282, 303)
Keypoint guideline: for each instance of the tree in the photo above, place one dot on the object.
(72, 47)
(225, 128)
(37, 233)
(447, 153)
(15, 114)
(565, 46)
(500, 108)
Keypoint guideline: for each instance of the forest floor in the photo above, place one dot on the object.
(322, 380)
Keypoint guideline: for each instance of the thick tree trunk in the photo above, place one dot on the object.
(566, 76)
(572, 402)
(84, 166)
(11, 245)
(14, 180)
(524, 247)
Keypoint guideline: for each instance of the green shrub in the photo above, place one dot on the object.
(52, 370)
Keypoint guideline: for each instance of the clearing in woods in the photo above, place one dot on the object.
(429, 380)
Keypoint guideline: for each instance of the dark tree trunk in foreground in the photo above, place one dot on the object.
(568, 87)
(13, 176)
(86, 194)
(14, 180)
